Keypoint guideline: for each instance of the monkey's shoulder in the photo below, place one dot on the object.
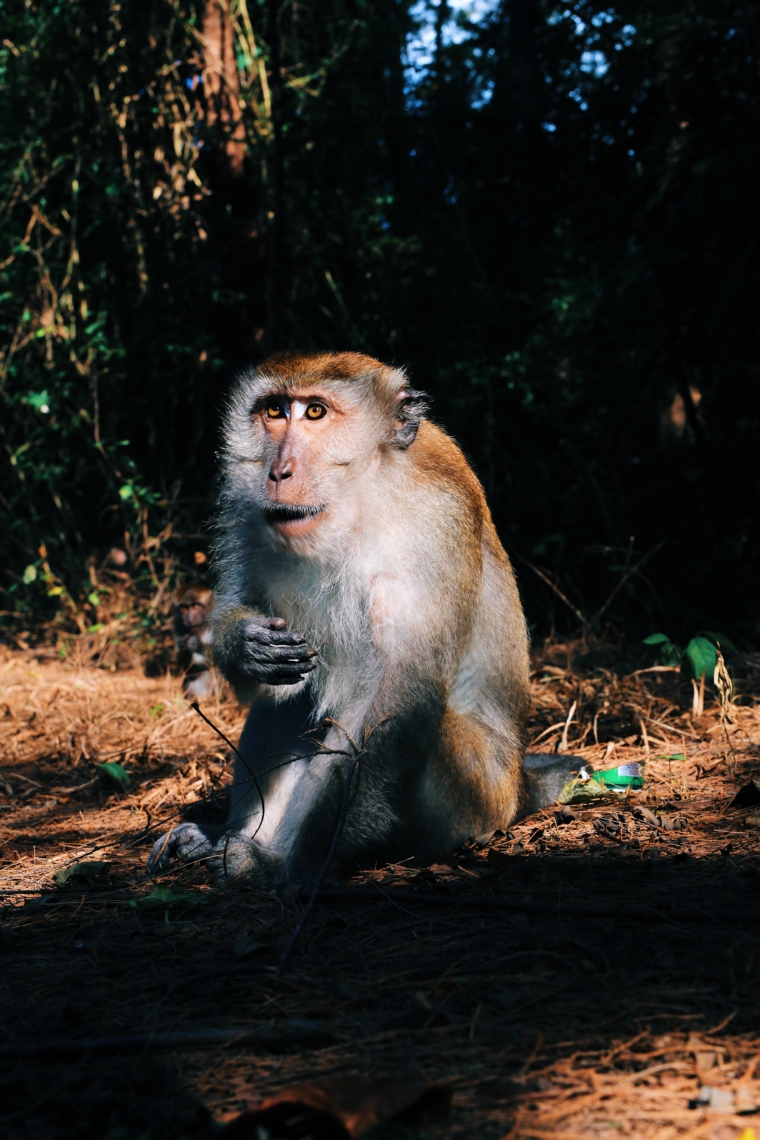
(440, 463)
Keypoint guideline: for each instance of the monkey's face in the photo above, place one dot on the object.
(192, 614)
(314, 442)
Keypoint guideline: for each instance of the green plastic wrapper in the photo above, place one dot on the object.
(610, 783)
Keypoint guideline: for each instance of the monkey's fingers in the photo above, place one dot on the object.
(274, 637)
(286, 674)
(185, 842)
(281, 654)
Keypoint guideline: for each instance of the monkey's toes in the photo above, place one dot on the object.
(187, 843)
(236, 856)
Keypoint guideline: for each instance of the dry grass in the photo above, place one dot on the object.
(586, 986)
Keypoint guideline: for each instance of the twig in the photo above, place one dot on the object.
(562, 746)
(722, 682)
(545, 578)
(628, 574)
(390, 898)
(355, 755)
(541, 735)
(320, 877)
(673, 729)
(196, 708)
(644, 735)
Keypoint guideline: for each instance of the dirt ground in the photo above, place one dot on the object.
(581, 977)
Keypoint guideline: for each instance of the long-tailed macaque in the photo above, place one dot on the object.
(193, 637)
(367, 611)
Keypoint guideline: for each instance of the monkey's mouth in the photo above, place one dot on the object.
(290, 517)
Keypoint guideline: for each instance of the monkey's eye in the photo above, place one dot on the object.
(315, 411)
(275, 412)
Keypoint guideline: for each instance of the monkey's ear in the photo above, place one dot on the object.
(411, 406)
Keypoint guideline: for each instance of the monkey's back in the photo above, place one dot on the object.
(493, 671)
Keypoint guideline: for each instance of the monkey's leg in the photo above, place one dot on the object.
(272, 737)
(479, 781)
(472, 784)
(276, 746)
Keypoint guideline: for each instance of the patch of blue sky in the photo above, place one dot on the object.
(464, 19)
(594, 63)
(606, 16)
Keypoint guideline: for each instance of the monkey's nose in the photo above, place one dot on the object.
(281, 469)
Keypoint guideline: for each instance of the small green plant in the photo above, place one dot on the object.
(116, 774)
(699, 658)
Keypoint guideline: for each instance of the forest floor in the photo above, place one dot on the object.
(591, 977)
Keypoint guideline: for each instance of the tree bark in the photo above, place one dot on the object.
(221, 83)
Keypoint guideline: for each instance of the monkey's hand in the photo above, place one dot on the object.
(186, 642)
(268, 652)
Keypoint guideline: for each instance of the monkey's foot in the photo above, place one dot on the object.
(236, 856)
(186, 842)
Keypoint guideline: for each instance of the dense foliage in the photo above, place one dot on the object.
(547, 211)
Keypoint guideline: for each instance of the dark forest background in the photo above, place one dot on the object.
(549, 212)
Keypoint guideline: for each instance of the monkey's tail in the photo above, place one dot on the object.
(545, 777)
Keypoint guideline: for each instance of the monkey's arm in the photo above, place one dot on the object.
(251, 647)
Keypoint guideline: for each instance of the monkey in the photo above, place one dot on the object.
(193, 637)
(368, 613)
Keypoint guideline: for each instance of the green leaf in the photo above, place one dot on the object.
(165, 896)
(87, 870)
(126, 491)
(719, 639)
(701, 655)
(94, 598)
(116, 773)
(657, 639)
(29, 575)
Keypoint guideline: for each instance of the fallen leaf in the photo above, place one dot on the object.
(485, 839)
(577, 791)
(646, 816)
(668, 823)
(87, 870)
(748, 796)
(343, 1109)
(752, 821)
(165, 896)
